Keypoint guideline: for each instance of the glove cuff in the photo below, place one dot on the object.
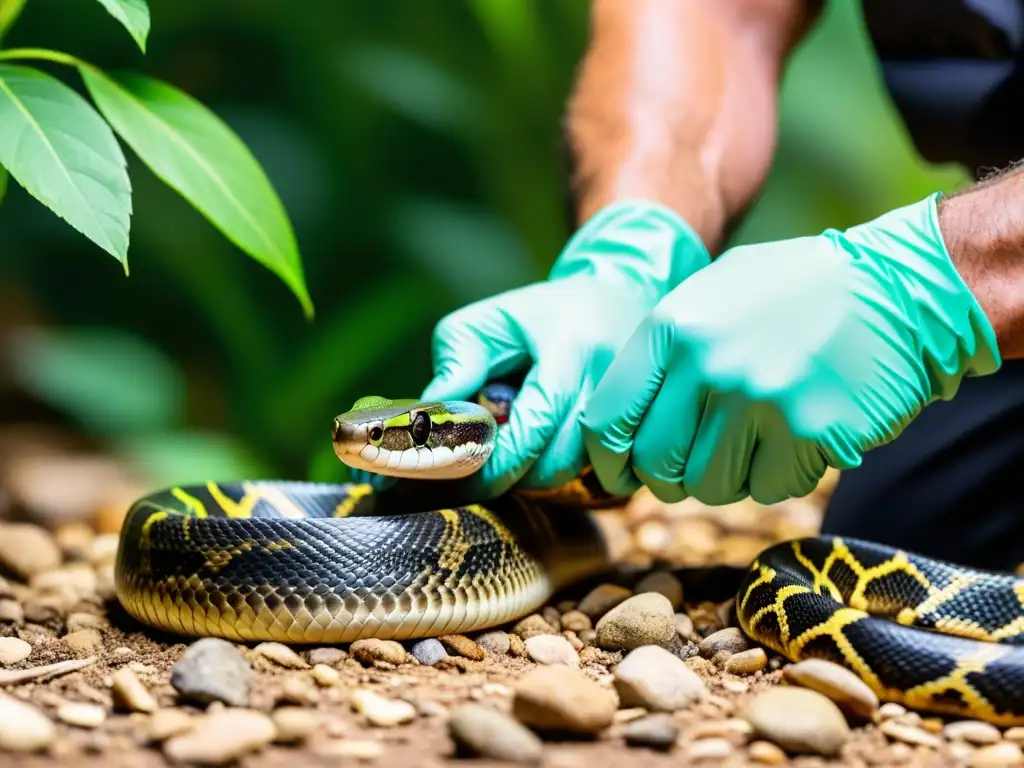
(649, 244)
(955, 336)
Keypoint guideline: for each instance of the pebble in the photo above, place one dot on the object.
(85, 640)
(357, 749)
(326, 676)
(729, 640)
(646, 619)
(77, 621)
(485, 732)
(516, 646)
(654, 678)
(909, 734)
(709, 749)
(657, 731)
(798, 720)
(664, 583)
(429, 652)
(11, 612)
(766, 753)
(166, 723)
(380, 711)
(972, 731)
(747, 662)
(23, 727)
(602, 599)
(130, 694)
(889, 711)
(552, 649)
(576, 621)
(721, 728)
(531, 625)
(431, 708)
(27, 550)
(5, 588)
(212, 669)
(281, 654)
(372, 649)
(222, 738)
(1015, 734)
(495, 643)
(1003, 755)
(82, 715)
(295, 724)
(298, 690)
(561, 698)
(103, 549)
(13, 650)
(329, 656)
(685, 628)
(552, 617)
(837, 682)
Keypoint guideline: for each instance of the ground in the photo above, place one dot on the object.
(58, 531)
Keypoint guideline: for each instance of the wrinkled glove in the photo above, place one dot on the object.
(565, 331)
(781, 358)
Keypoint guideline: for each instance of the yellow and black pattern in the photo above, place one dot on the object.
(933, 636)
(309, 563)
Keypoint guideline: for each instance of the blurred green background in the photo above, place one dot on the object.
(416, 146)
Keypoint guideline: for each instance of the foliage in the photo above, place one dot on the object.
(415, 146)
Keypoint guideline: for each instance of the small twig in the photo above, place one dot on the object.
(15, 676)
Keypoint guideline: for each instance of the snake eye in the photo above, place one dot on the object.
(376, 433)
(420, 428)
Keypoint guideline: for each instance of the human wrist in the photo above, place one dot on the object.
(648, 243)
(952, 331)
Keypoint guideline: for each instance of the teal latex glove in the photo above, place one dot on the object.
(564, 331)
(781, 358)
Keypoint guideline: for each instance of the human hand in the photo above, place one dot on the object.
(782, 358)
(564, 330)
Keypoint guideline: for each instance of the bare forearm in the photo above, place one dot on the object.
(983, 228)
(676, 102)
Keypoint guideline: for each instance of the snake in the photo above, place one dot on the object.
(305, 563)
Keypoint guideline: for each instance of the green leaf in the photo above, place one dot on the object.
(186, 457)
(195, 153)
(3, 183)
(133, 14)
(10, 10)
(55, 145)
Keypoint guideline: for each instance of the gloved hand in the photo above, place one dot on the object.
(565, 330)
(781, 358)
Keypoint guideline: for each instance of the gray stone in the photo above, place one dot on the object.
(429, 652)
(210, 670)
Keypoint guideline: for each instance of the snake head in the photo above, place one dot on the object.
(414, 438)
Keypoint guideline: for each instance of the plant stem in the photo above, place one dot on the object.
(43, 53)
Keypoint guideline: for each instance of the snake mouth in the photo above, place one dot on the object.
(423, 463)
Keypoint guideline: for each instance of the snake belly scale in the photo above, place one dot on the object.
(319, 563)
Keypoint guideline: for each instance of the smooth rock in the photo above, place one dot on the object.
(165, 723)
(664, 583)
(602, 599)
(552, 617)
(460, 645)
(552, 649)
(27, 550)
(709, 749)
(561, 698)
(429, 652)
(78, 621)
(837, 682)
(23, 727)
(685, 628)
(746, 662)
(909, 734)
(329, 656)
(372, 649)
(888, 711)
(356, 749)
(1003, 755)
(576, 621)
(972, 731)
(11, 612)
(495, 643)
(281, 654)
(1015, 734)
(516, 646)
(13, 650)
(295, 724)
(654, 678)
(212, 669)
(84, 640)
(729, 640)
(655, 731)
(222, 737)
(646, 619)
(799, 720)
(531, 625)
(485, 732)
(81, 714)
(766, 753)
(130, 694)
(380, 711)
(326, 676)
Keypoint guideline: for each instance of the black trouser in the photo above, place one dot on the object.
(950, 485)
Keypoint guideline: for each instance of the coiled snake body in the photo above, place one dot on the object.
(318, 563)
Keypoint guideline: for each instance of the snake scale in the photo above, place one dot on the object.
(304, 563)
